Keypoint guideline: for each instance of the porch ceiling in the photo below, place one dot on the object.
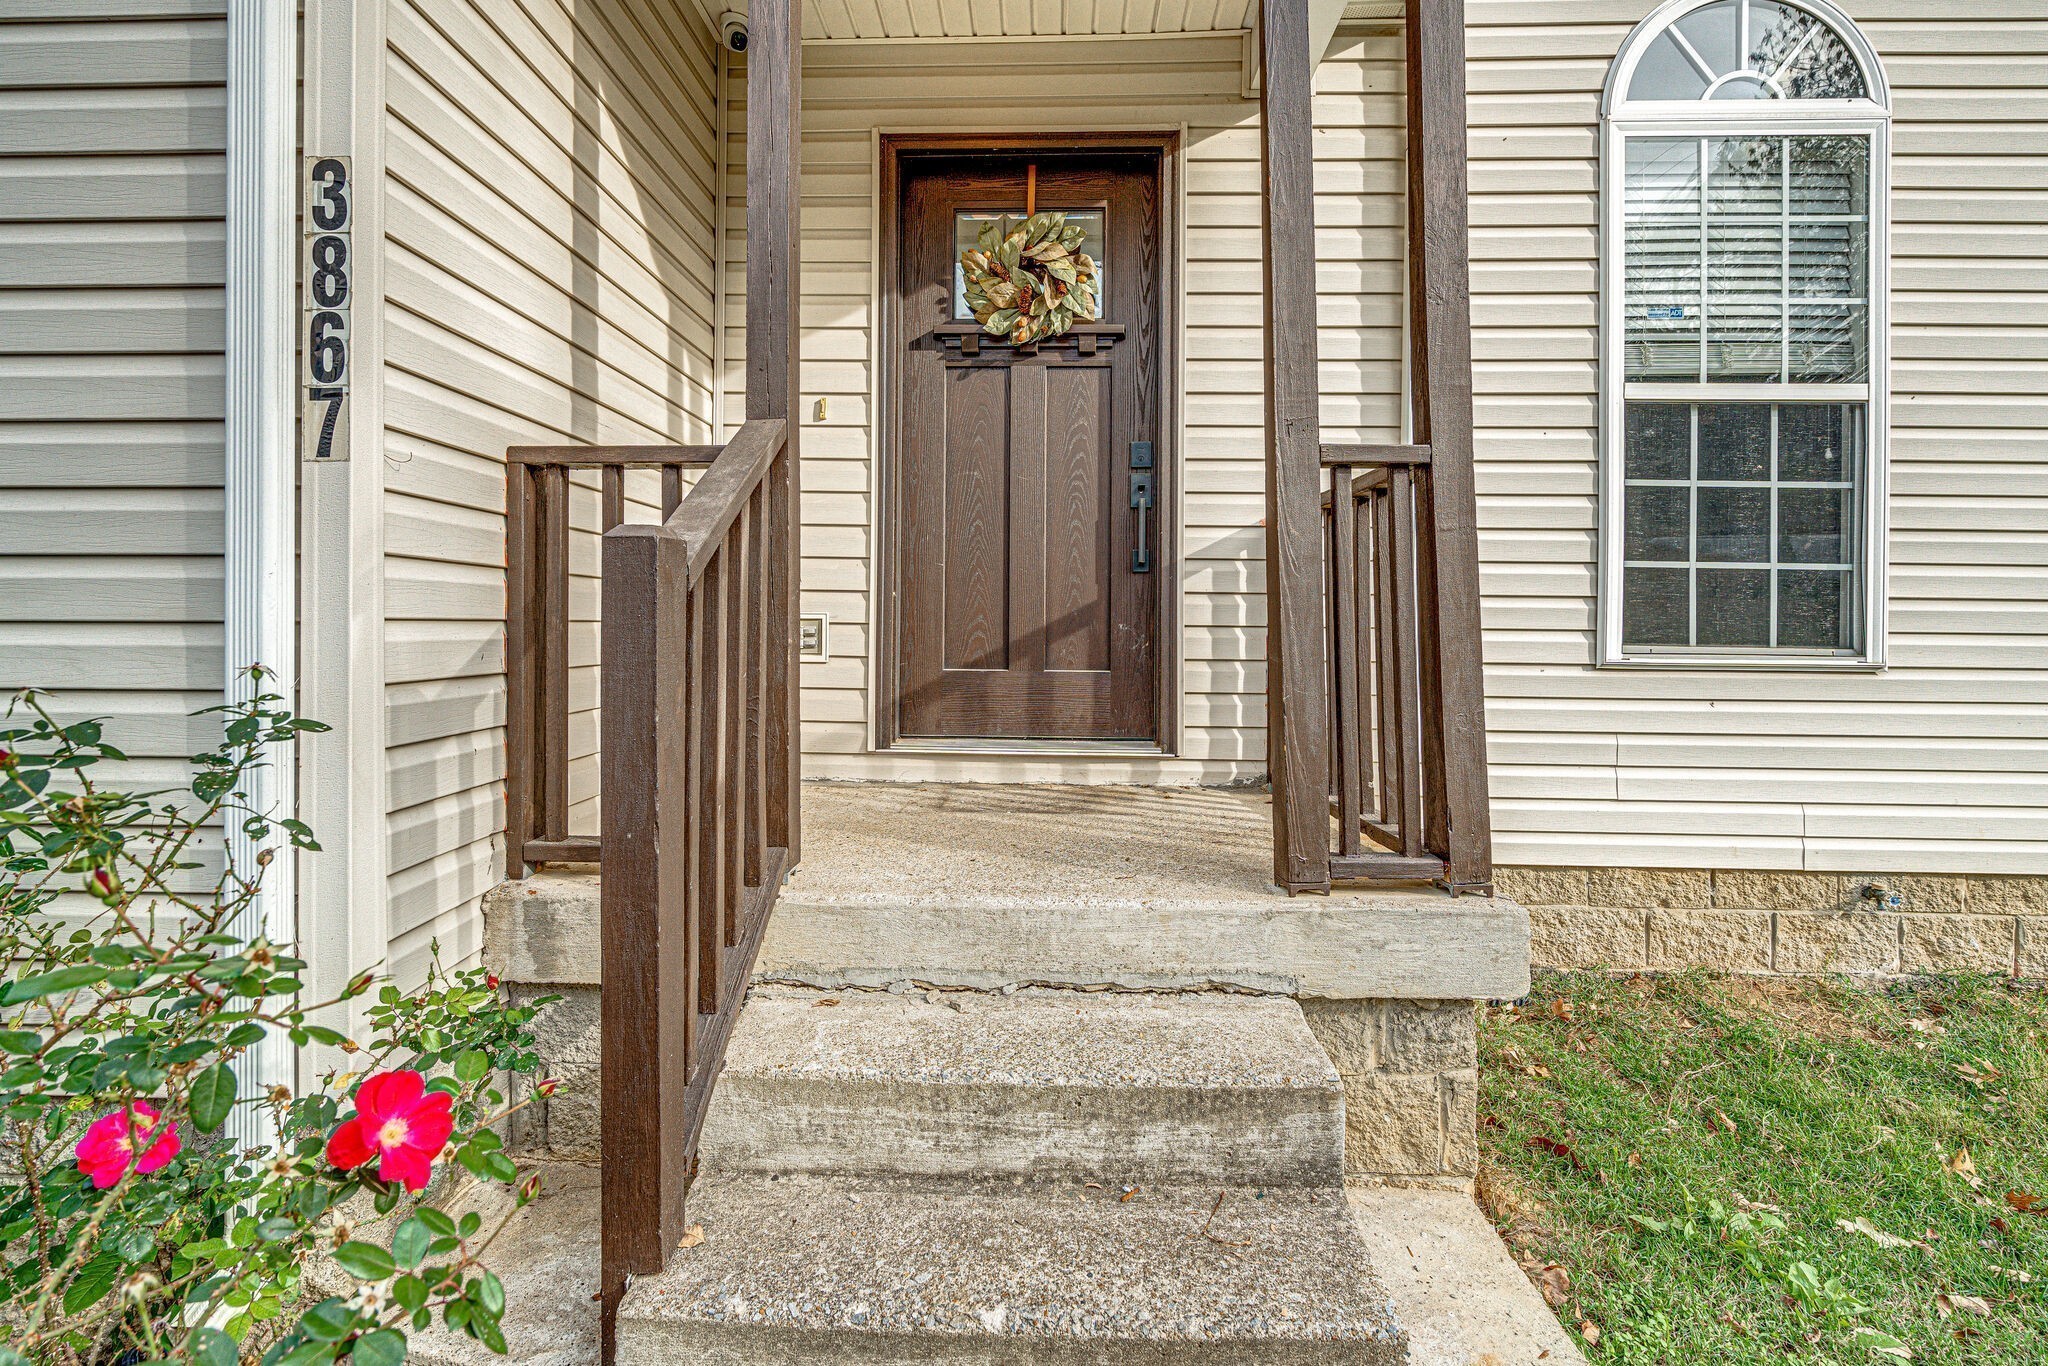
(913, 20)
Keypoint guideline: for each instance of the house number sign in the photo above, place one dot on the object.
(328, 215)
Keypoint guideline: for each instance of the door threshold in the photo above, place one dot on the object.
(1031, 749)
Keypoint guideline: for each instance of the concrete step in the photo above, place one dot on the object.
(1116, 1088)
(836, 1269)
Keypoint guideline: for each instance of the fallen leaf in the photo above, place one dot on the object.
(1947, 1303)
(1872, 1232)
(1556, 1284)
(2013, 1273)
(1556, 1149)
(1590, 1331)
(1721, 1117)
(1962, 1166)
(1925, 1027)
(1635, 1159)
(828, 1001)
(1537, 1069)
(2026, 1202)
(1561, 1008)
(1125, 1198)
(2001, 1225)
(692, 1236)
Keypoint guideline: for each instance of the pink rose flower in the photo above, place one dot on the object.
(125, 1140)
(399, 1124)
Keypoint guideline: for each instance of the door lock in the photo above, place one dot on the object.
(1144, 497)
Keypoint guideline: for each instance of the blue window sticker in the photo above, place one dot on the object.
(1669, 312)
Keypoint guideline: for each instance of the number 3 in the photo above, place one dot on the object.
(329, 209)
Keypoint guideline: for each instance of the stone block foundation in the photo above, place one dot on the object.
(1740, 920)
(1411, 1084)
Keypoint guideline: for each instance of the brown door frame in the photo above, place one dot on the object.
(887, 658)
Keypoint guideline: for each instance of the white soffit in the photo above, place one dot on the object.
(912, 20)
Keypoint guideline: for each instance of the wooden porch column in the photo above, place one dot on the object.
(774, 237)
(1456, 819)
(1297, 687)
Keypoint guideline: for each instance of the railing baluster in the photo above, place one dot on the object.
(521, 612)
(554, 663)
(733, 731)
(712, 794)
(612, 497)
(1387, 612)
(1348, 751)
(1401, 495)
(760, 550)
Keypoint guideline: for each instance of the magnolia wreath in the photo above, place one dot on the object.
(1030, 281)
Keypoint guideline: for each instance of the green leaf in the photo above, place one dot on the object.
(328, 1321)
(437, 1222)
(470, 1065)
(92, 1282)
(211, 1347)
(490, 1295)
(212, 1098)
(409, 1245)
(365, 1261)
(471, 1222)
(50, 983)
(19, 1040)
(381, 1348)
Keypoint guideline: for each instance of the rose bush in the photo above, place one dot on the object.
(133, 1227)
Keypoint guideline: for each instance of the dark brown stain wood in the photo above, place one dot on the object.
(774, 265)
(1297, 686)
(537, 490)
(1440, 330)
(1022, 616)
(1010, 609)
(1407, 718)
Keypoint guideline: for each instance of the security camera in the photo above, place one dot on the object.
(732, 27)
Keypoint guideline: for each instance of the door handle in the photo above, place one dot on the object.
(1144, 497)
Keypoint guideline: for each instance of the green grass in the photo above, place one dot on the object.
(1686, 1148)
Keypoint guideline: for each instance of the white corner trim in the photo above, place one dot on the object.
(259, 625)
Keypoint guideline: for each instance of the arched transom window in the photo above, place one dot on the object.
(1743, 339)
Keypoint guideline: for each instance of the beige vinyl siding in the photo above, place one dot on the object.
(1941, 762)
(852, 94)
(111, 392)
(547, 268)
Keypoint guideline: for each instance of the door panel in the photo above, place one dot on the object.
(1026, 610)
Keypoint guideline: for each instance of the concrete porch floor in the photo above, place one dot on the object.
(1155, 888)
(986, 887)
(981, 845)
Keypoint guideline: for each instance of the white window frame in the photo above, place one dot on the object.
(1621, 119)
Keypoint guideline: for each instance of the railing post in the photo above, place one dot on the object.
(1440, 332)
(1297, 684)
(649, 967)
(774, 237)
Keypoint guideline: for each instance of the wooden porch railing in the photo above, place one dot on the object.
(1378, 772)
(537, 628)
(1375, 701)
(695, 843)
(697, 750)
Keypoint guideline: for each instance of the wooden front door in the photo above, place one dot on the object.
(1027, 582)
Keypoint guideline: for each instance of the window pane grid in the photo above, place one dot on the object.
(1742, 563)
(1747, 259)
